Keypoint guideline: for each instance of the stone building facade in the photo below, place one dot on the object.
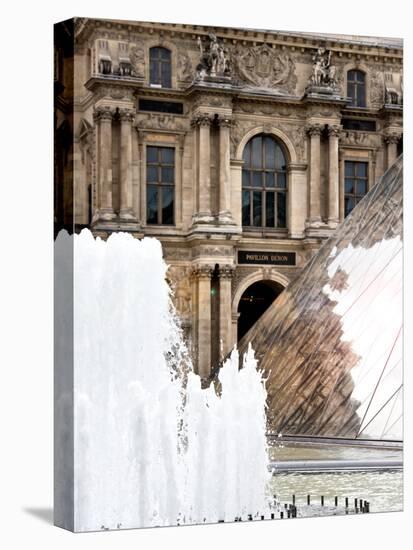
(241, 150)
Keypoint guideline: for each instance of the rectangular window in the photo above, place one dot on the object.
(355, 184)
(160, 188)
(171, 107)
(355, 124)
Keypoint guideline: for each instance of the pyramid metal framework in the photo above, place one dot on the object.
(331, 343)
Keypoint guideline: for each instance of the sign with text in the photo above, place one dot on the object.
(271, 258)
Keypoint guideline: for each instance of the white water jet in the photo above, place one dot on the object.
(150, 446)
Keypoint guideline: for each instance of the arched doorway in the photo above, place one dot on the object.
(255, 300)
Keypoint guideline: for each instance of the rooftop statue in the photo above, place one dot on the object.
(324, 73)
(214, 59)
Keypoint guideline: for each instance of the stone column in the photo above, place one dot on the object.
(203, 274)
(203, 214)
(225, 274)
(126, 212)
(225, 216)
(103, 117)
(314, 131)
(333, 175)
(391, 140)
(296, 200)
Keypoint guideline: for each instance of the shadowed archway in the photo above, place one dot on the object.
(255, 300)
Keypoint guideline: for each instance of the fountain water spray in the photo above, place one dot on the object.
(151, 447)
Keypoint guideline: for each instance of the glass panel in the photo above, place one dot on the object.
(257, 152)
(152, 204)
(151, 154)
(360, 76)
(350, 92)
(257, 179)
(351, 75)
(246, 208)
(361, 169)
(246, 178)
(153, 72)
(349, 168)
(257, 208)
(167, 174)
(168, 205)
(165, 54)
(361, 187)
(167, 155)
(269, 179)
(246, 155)
(279, 158)
(152, 174)
(281, 210)
(166, 75)
(269, 152)
(269, 210)
(281, 180)
(348, 205)
(361, 96)
(349, 186)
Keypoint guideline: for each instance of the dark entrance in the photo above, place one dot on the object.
(256, 299)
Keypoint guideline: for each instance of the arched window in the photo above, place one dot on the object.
(160, 67)
(356, 88)
(264, 183)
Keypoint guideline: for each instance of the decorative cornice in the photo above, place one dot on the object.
(226, 271)
(202, 271)
(202, 119)
(334, 130)
(103, 112)
(224, 121)
(126, 115)
(314, 129)
(392, 138)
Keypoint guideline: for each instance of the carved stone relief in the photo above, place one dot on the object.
(180, 280)
(264, 67)
(185, 72)
(210, 250)
(161, 122)
(137, 58)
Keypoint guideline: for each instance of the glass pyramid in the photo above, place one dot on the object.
(331, 343)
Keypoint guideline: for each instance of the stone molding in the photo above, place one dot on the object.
(391, 138)
(203, 120)
(334, 130)
(202, 271)
(226, 271)
(103, 113)
(126, 115)
(314, 129)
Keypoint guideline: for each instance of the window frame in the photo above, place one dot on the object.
(355, 178)
(158, 81)
(264, 190)
(357, 98)
(160, 185)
